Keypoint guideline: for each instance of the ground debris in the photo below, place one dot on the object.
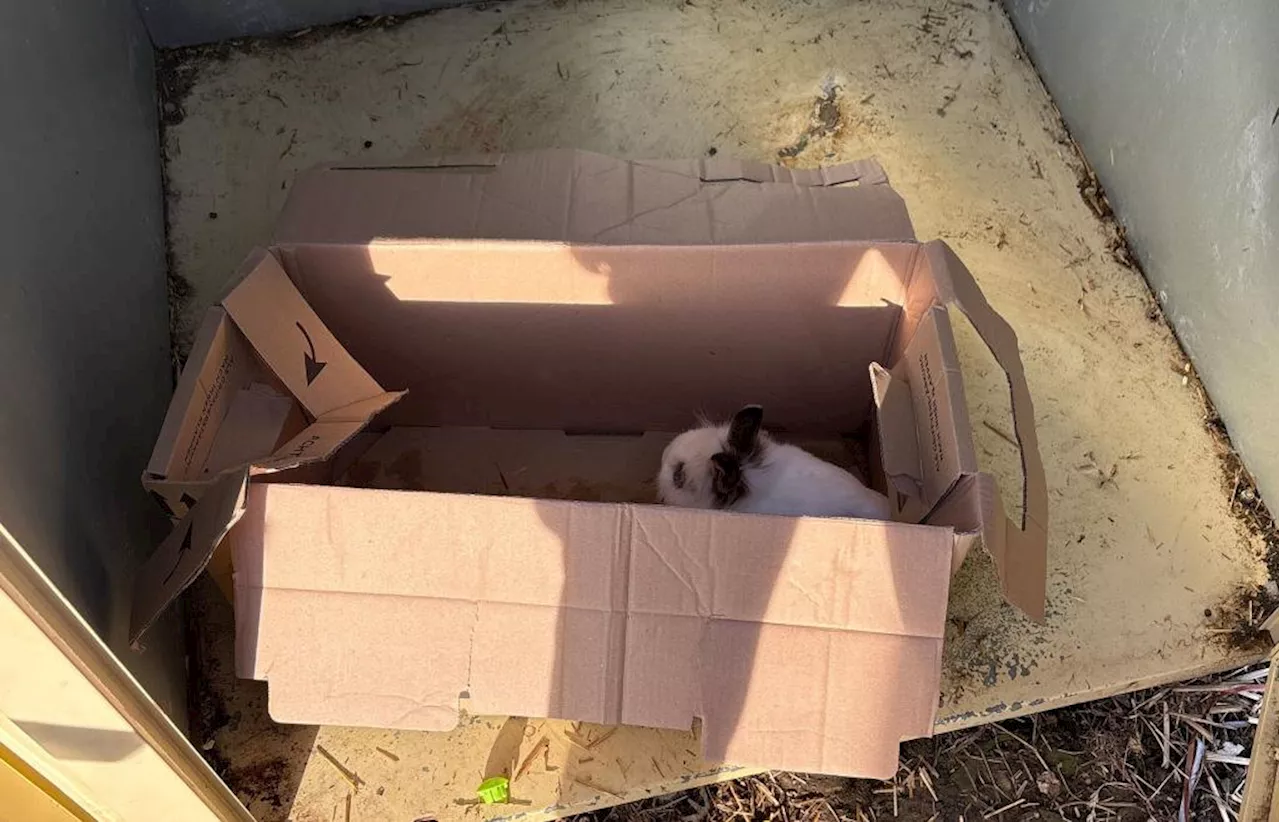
(826, 120)
(1101, 474)
(351, 776)
(1237, 621)
(1151, 754)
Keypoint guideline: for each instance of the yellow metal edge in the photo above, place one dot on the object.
(37, 597)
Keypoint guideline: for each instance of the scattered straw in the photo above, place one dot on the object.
(540, 746)
(1169, 753)
(351, 776)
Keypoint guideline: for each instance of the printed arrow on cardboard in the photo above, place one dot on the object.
(182, 551)
(313, 366)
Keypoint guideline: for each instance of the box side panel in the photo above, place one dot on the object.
(612, 340)
(331, 583)
(859, 607)
(542, 464)
(579, 197)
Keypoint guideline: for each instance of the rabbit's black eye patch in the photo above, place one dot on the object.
(677, 475)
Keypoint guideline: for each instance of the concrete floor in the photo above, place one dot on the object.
(1146, 560)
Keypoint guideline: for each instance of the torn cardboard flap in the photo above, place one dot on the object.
(263, 358)
(231, 417)
(262, 420)
(597, 612)
(260, 359)
(940, 460)
(956, 286)
(186, 551)
(1020, 551)
(258, 417)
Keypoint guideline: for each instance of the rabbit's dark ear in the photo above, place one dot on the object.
(727, 482)
(744, 430)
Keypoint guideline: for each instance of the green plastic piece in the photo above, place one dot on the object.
(494, 789)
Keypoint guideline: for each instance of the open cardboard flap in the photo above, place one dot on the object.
(934, 478)
(185, 553)
(267, 387)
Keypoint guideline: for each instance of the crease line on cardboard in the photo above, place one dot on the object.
(701, 607)
(891, 338)
(804, 591)
(475, 615)
(626, 531)
(896, 631)
(646, 212)
(716, 196)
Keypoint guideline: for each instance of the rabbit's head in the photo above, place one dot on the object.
(703, 467)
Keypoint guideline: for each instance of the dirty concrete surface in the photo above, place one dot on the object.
(1147, 558)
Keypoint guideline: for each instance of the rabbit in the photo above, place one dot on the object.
(738, 467)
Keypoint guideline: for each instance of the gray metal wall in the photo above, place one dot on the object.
(190, 22)
(84, 336)
(1174, 103)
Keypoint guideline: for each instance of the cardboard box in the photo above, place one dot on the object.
(481, 535)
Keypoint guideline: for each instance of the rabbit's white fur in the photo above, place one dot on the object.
(698, 471)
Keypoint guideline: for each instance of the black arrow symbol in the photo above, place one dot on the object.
(182, 552)
(313, 366)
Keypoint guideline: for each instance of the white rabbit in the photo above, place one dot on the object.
(738, 467)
